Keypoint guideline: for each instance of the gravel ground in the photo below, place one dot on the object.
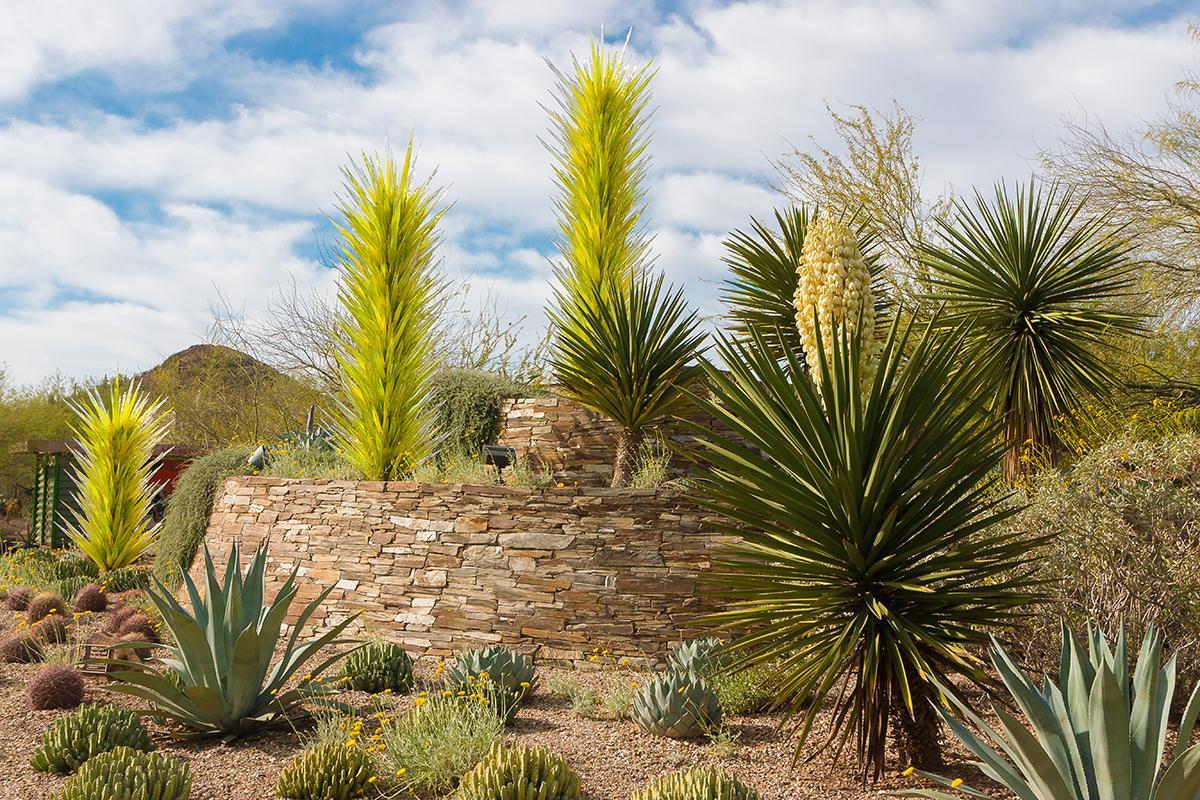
(613, 758)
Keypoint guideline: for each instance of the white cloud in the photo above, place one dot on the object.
(989, 83)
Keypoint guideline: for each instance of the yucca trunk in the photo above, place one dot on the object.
(917, 734)
(1030, 445)
(629, 442)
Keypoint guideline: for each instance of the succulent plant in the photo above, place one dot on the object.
(834, 291)
(379, 666)
(127, 774)
(54, 686)
(701, 656)
(50, 630)
(141, 624)
(126, 579)
(118, 616)
(677, 704)
(502, 665)
(699, 783)
(87, 731)
(68, 587)
(518, 773)
(44, 604)
(18, 599)
(330, 771)
(91, 597)
(73, 567)
(22, 649)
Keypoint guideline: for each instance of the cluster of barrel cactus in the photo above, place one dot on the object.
(124, 773)
(87, 732)
(378, 666)
(700, 783)
(520, 773)
(834, 290)
(676, 703)
(330, 771)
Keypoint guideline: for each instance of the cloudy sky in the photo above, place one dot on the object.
(155, 153)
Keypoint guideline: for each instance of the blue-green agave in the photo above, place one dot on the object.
(229, 683)
(1100, 734)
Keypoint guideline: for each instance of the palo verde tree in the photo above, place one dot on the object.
(391, 295)
(623, 342)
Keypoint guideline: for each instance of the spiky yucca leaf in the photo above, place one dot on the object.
(866, 561)
(1036, 283)
(391, 296)
(599, 140)
(117, 435)
(764, 268)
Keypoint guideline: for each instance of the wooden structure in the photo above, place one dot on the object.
(54, 495)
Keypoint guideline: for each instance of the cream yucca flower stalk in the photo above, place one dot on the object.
(834, 289)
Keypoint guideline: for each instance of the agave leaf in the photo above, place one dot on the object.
(1187, 723)
(1110, 737)
(1039, 768)
(1181, 781)
(1152, 693)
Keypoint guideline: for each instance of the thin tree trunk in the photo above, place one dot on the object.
(918, 742)
(628, 444)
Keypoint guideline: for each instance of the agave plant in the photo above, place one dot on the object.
(1038, 286)
(866, 563)
(1100, 734)
(115, 459)
(622, 344)
(227, 680)
(391, 296)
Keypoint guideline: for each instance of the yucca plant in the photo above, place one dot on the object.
(622, 344)
(764, 267)
(227, 679)
(391, 297)
(1039, 285)
(117, 433)
(866, 564)
(1100, 734)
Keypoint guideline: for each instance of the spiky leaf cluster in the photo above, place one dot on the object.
(678, 704)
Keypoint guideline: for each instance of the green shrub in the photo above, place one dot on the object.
(467, 410)
(746, 691)
(700, 783)
(516, 773)
(86, 732)
(437, 741)
(27, 567)
(127, 774)
(327, 772)
(378, 666)
(126, 579)
(1122, 530)
(300, 462)
(188, 510)
(680, 705)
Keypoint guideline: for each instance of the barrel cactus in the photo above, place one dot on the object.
(91, 597)
(331, 771)
(54, 686)
(44, 604)
(88, 731)
(51, 630)
(834, 289)
(127, 774)
(21, 649)
(701, 656)
(18, 599)
(520, 773)
(378, 666)
(700, 783)
(677, 704)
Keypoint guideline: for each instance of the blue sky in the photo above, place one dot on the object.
(155, 154)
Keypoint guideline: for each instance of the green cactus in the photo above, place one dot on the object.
(504, 666)
(68, 587)
(678, 704)
(701, 656)
(331, 771)
(125, 579)
(73, 567)
(127, 774)
(378, 666)
(699, 783)
(520, 773)
(86, 732)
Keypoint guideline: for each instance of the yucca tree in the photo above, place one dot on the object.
(764, 267)
(623, 345)
(867, 563)
(391, 297)
(117, 433)
(1040, 285)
